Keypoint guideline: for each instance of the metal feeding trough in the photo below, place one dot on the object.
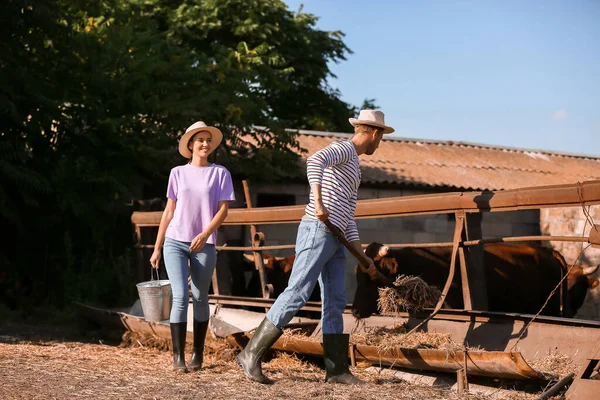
(496, 364)
(508, 342)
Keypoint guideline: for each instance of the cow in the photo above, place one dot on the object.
(278, 271)
(519, 278)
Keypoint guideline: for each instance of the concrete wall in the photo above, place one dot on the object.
(571, 221)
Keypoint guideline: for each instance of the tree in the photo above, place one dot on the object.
(93, 96)
(271, 69)
(90, 107)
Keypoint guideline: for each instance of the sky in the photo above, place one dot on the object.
(516, 73)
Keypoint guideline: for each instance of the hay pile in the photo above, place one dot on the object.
(386, 338)
(140, 339)
(555, 364)
(410, 293)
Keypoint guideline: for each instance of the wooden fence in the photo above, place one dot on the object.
(466, 206)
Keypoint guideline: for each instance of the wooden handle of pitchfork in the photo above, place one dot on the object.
(363, 260)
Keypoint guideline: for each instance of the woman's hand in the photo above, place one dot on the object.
(199, 242)
(155, 259)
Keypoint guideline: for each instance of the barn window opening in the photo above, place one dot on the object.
(275, 199)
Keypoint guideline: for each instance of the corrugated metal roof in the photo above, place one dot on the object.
(461, 165)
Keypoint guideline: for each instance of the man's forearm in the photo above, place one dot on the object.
(357, 246)
(316, 192)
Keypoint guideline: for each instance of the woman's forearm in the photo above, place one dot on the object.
(218, 219)
(165, 220)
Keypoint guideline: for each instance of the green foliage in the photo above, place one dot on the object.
(368, 104)
(93, 96)
(271, 67)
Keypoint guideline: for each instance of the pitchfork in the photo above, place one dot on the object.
(363, 260)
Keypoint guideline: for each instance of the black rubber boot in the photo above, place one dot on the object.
(198, 351)
(178, 332)
(251, 357)
(335, 355)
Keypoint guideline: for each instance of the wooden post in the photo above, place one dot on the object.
(461, 377)
(257, 240)
(461, 381)
(139, 250)
(464, 280)
(471, 266)
(215, 282)
(249, 205)
(352, 355)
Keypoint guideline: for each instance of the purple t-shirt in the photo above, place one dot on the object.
(197, 191)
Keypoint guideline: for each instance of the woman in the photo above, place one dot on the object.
(198, 199)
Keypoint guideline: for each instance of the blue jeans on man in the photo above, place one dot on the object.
(319, 256)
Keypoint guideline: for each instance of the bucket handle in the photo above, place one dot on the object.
(152, 269)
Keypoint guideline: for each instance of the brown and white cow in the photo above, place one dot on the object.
(519, 278)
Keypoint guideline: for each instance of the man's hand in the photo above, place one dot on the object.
(321, 212)
(371, 269)
(368, 267)
(199, 242)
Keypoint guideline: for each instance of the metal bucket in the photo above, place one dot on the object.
(156, 298)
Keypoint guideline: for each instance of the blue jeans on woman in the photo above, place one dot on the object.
(202, 263)
(319, 256)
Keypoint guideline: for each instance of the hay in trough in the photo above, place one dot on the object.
(386, 338)
(296, 333)
(410, 293)
(555, 364)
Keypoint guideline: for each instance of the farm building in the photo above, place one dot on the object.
(405, 167)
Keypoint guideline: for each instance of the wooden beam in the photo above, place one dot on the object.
(587, 193)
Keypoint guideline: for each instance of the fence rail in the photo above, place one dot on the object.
(586, 193)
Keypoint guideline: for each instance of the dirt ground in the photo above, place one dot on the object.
(38, 362)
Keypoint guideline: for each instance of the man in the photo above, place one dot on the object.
(334, 178)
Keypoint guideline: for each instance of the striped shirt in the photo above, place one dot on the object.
(336, 169)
